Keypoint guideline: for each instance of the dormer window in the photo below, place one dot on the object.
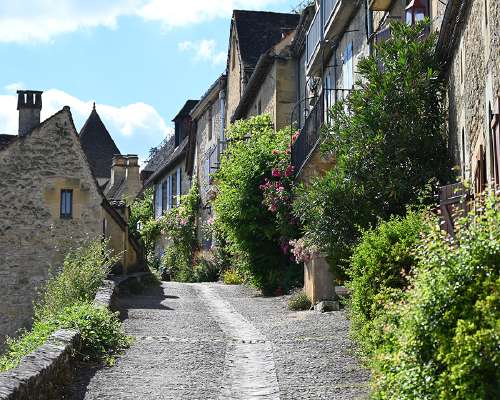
(416, 10)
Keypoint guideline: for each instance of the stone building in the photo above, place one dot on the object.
(469, 48)
(206, 144)
(271, 87)
(49, 202)
(252, 33)
(170, 179)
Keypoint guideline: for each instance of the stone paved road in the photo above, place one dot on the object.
(211, 341)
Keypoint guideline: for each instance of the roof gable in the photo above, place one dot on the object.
(98, 145)
(258, 31)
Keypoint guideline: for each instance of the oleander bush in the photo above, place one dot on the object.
(445, 330)
(379, 273)
(251, 203)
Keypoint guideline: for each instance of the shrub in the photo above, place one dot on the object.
(299, 302)
(379, 272)
(83, 271)
(232, 277)
(179, 227)
(389, 142)
(251, 226)
(25, 343)
(143, 225)
(65, 302)
(206, 267)
(100, 330)
(447, 332)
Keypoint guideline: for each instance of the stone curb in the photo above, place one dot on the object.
(40, 372)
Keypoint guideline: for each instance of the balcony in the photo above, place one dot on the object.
(330, 21)
(310, 133)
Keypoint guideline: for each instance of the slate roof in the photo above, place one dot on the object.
(161, 154)
(171, 156)
(258, 31)
(5, 140)
(115, 192)
(98, 145)
(186, 109)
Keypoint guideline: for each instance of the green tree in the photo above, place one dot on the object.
(388, 139)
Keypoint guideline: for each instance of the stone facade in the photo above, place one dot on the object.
(235, 76)
(33, 237)
(210, 136)
(473, 77)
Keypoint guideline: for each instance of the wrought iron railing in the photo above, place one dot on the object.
(305, 140)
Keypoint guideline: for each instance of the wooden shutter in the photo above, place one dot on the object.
(178, 188)
(480, 174)
(453, 203)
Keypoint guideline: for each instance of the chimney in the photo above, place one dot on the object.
(118, 169)
(29, 104)
(132, 177)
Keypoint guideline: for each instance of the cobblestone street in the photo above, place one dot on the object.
(211, 341)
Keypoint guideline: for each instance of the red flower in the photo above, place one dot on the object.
(289, 171)
(276, 173)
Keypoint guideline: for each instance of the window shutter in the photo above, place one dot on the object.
(158, 199)
(178, 184)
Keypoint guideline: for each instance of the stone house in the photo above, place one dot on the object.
(271, 87)
(252, 34)
(206, 144)
(170, 179)
(469, 49)
(50, 201)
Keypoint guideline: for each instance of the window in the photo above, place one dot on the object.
(66, 209)
(158, 200)
(486, 12)
(178, 187)
(173, 191)
(347, 68)
(164, 196)
(210, 123)
(416, 10)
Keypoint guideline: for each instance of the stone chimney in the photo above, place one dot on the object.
(29, 104)
(118, 169)
(132, 177)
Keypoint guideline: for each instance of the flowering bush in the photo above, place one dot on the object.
(253, 221)
(179, 227)
(302, 250)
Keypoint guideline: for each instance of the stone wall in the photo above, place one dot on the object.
(265, 99)
(33, 238)
(473, 84)
(209, 132)
(234, 77)
(43, 373)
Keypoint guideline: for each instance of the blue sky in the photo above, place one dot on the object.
(139, 60)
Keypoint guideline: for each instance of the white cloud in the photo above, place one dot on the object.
(204, 50)
(135, 127)
(30, 21)
(13, 87)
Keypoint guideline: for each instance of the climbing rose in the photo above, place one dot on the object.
(289, 171)
(276, 172)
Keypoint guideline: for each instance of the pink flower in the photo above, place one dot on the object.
(183, 221)
(280, 188)
(289, 171)
(210, 221)
(273, 208)
(276, 173)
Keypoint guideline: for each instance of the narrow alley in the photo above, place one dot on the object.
(210, 341)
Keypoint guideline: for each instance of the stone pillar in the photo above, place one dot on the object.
(319, 280)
